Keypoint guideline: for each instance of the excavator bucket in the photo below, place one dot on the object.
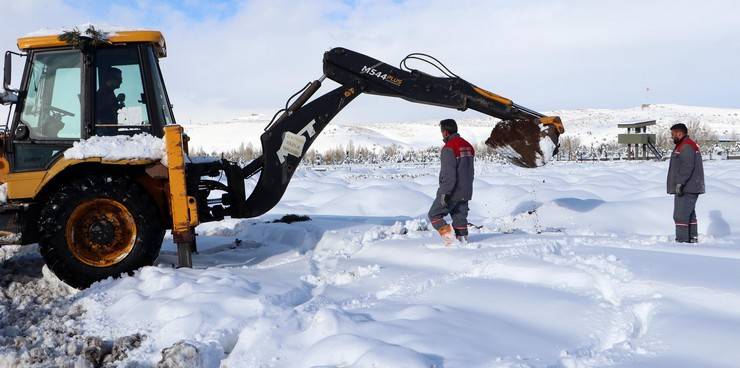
(525, 143)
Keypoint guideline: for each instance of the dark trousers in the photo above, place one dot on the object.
(458, 210)
(684, 215)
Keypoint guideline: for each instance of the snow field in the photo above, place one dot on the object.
(574, 266)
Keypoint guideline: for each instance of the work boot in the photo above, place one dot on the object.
(682, 233)
(693, 233)
(447, 235)
(463, 239)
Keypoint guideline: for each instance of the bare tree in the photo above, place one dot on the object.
(701, 133)
(663, 140)
(569, 146)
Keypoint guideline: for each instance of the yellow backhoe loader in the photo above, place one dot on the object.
(96, 217)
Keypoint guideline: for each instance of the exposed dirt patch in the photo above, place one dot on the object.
(38, 319)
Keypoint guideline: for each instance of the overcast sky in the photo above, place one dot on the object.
(229, 58)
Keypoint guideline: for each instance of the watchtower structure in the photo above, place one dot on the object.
(637, 137)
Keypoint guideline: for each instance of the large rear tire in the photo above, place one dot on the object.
(99, 226)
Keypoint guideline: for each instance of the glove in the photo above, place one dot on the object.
(679, 189)
(444, 199)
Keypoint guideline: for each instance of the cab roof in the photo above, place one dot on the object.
(154, 37)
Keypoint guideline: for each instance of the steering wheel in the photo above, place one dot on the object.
(60, 111)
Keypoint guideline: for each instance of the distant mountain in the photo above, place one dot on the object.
(600, 125)
(591, 126)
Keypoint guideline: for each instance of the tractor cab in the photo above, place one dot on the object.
(77, 87)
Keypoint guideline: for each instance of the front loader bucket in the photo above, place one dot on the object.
(524, 143)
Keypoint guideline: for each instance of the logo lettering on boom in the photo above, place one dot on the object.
(384, 76)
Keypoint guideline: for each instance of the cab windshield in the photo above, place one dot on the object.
(52, 107)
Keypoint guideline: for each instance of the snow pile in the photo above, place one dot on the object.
(547, 146)
(167, 305)
(113, 148)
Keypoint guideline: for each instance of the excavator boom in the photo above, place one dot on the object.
(378, 78)
(518, 136)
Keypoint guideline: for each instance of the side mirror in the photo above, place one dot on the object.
(7, 71)
(8, 95)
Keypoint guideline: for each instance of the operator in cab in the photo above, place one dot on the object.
(455, 185)
(107, 103)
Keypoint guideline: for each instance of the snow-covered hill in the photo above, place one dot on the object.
(591, 126)
(600, 125)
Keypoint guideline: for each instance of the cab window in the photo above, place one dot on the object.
(119, 99)
(160, 95)
(52, 107)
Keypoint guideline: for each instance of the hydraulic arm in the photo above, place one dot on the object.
(287, 139)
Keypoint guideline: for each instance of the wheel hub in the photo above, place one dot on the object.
(100, 232)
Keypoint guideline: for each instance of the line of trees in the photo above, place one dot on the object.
(349, 154)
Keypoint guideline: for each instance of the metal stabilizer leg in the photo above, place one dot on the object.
(185, 245)
(184, 255)
(183, 207)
